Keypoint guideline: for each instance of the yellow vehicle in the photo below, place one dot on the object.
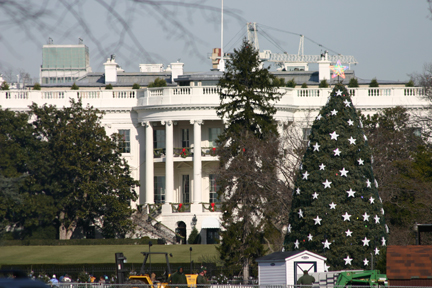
(145, 278)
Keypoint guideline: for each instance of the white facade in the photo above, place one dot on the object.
(167, 126)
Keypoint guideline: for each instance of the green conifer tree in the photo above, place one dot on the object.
(336, 210)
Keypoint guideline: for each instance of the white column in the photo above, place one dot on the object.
(149, 168)
(169, 164)
(197, 166)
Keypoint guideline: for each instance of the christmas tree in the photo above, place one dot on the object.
(336, 210)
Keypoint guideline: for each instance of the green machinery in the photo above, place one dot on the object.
(371, 278)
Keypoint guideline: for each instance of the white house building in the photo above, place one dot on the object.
(170, 132)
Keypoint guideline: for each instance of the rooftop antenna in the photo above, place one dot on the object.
(301, 46)
(252, 35)
(221, 62)
(80, 41)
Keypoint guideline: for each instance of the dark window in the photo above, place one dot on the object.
(158, 139)
(214, 197)
(124, 141)
(159, 189)
(185, 189)
(213, 136)
(212, 236)
(185, 137)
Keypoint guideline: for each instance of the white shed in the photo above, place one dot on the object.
(284, 268)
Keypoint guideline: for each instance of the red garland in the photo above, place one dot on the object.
(212, 205)
(179, 206)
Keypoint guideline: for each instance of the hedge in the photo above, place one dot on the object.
(52, 242)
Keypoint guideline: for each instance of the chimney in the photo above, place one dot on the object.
(110, 70)
(176, 70)
(324, 67)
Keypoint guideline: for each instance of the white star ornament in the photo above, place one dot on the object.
(344, 172)
(305, 175)
(317, 220)
(327, 184)
(348, 260)
(377, 219)
(365, 262)
(326, 244)
(337, 152)
(365, 242)
(346, 217)
(334, 135)
(365, 217)
(351, 193)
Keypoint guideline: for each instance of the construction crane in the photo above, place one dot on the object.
(285, 60)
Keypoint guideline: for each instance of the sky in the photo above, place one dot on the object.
(390, 39)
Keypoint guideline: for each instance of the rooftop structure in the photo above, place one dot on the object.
(64, 63)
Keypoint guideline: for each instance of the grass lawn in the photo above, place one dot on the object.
(88, 254)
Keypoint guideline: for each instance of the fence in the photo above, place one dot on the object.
(97, 285)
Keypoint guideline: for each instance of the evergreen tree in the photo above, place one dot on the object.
(109, 87)
(323, 84)
(158, 82)
(4, 86)
(136, 86)
(291, 83)
(247, 150)
(36, 86)
(353, 83)
(247, 94)
(374, 83)
(336, 210)
(74, 86)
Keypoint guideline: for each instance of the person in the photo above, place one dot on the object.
(178, 278)
(153, 277)
(102, 280)
(201, 279)
(54, 281)
(306, 280)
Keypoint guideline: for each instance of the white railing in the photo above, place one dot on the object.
(153, 92)
(211, 90)
(16, 94)
(88, 94)
(209, 96)
(379, 92)
(53, 95)
(414, 91)
(124, 94)
(308, 92)
(182, 91)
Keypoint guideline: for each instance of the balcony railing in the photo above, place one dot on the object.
(212, 207)
(207, 96)
(184, 152)
(208, 151)
(180, 207)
